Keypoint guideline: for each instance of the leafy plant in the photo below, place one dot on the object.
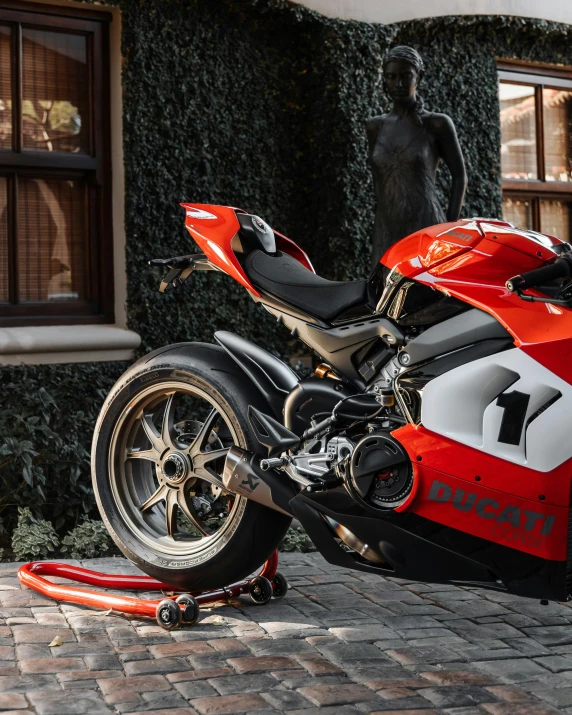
(296, 539)
(33, 538)
(87, 541)
(46, 422)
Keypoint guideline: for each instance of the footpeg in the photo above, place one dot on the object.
(324, 485)
(273, 463)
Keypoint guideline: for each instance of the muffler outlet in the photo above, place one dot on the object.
(243, 475)
(354, 542)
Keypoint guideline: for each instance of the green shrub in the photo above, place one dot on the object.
(33, 538)
(47, 416)
(87, 541)
(296, 539)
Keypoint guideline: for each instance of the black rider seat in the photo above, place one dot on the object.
(287, 279)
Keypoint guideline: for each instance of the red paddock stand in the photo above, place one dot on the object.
(169, 612)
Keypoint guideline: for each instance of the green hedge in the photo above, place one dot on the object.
(261, 105)
(47, 414)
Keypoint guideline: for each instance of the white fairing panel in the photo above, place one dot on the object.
(463, 405)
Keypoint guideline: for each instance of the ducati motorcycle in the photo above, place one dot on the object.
(432, 443)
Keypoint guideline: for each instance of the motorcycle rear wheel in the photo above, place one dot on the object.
(157, 458)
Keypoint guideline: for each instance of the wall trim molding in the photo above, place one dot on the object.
(66, 343)
(387, 13)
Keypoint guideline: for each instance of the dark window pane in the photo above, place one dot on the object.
(555, 219)
(52, 240)
(5, 90)
(557, 106)
(518, 212)
(518, 131)
(55, 96)
(4, 288)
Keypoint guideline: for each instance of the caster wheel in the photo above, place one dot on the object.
(169, 614)
(189, 607)
(260, 590)
(279, 586)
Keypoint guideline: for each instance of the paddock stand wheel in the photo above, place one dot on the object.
(169, 612)
(189, 607)
(280, 586)
(260, 590)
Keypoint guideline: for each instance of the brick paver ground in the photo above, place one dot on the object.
(340, 642)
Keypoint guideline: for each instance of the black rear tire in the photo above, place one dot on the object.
(256, 530)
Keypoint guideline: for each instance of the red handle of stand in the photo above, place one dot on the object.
(30, 575)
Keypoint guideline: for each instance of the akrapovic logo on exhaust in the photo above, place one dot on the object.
(510, 522)
(249, 483)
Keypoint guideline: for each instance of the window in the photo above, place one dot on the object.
(536, 147)
(55, 210)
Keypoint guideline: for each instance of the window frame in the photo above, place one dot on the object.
(94, 167)
(539, 76)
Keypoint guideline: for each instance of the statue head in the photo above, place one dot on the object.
(402, 72)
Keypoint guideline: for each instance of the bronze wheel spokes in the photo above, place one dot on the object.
(150, 454)
(159, 496)
(168, 422)
(204, 434)
(178, 469)
(201, 459)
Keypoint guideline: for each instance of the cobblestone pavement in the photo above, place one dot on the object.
(340, 642)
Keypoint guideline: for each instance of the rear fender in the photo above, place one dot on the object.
(272, 377)
(216, 358)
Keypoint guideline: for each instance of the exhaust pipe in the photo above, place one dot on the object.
(354, 542)
(243, 475)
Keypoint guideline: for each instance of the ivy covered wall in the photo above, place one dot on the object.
(260, 105)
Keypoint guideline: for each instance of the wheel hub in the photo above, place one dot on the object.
(175, 467)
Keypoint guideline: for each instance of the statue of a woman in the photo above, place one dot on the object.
(406, 146)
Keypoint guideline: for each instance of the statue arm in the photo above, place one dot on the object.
(450, 151)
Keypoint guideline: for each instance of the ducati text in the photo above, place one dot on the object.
(508, 522)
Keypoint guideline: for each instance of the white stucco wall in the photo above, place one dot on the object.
(388, 11)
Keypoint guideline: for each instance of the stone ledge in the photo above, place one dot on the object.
(66, 343)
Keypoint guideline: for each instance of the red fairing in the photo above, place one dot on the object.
(444, 454)
(472, 260)
(213, 228)
(505, 519)
(488, 497)
(286, 245)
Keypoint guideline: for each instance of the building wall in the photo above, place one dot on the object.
(262, 105)
(389, 12)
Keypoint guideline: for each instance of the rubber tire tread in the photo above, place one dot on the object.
(260, 530)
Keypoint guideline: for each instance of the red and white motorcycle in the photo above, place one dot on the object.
(432, 443)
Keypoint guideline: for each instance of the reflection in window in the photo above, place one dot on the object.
(4, 290)
(5, 90)
(518, 212)
(51, 240)
(557, 104)
(555, 219)
(55, 91)
(518, 131)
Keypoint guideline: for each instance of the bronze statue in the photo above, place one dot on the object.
(405, 148)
